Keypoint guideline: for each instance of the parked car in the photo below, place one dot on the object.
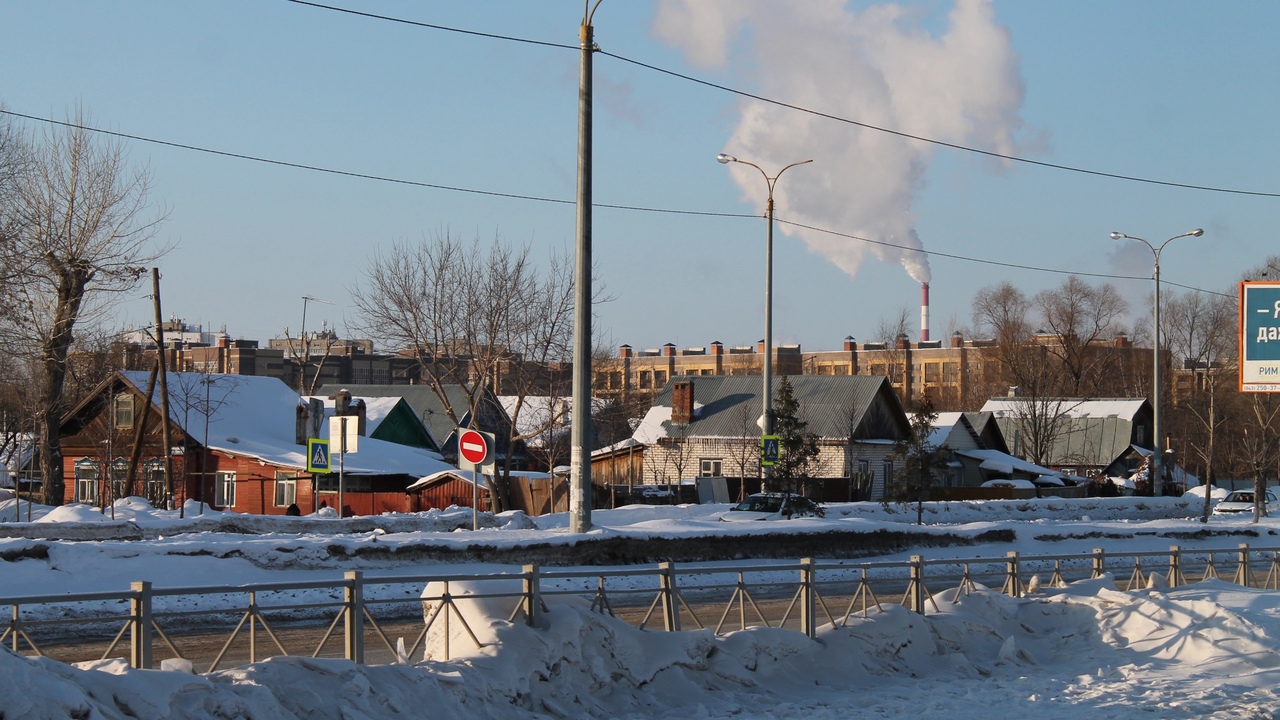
(1243, 501)
(773, 506)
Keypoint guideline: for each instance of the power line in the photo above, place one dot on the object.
(815, 113)
(559, 201)
(430, 26)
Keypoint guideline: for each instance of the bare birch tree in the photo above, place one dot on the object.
(466, 314)
(79, 230)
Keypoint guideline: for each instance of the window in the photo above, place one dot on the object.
(119, 478)
(886, 467)
(224, 489)
(157, 489)
(123, 410)
(711, 467)
(87, 482)
(646, 379)
(286, 490)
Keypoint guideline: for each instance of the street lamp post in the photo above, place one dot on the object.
(1157, 477)
(766, 418)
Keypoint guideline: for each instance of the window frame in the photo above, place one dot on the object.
(286, 490)
(224, 488)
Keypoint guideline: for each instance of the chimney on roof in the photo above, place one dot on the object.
(957, 340)
(682, 402)
(341, 402)
(668, 350)
(850, 345)
(903, 342)
(624, 351)
(717, 348)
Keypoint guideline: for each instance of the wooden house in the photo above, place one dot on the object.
(236, 442)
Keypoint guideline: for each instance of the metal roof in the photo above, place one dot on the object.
(834, 406)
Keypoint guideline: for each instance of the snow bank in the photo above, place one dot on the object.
(1196, 651)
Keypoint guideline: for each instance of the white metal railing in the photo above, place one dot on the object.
(787, 594)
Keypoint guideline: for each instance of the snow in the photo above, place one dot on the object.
(1206, 649)
(255, 417)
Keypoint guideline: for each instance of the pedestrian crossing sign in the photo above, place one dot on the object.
(769, 449)
(317, 455)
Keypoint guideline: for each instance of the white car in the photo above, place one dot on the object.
(772, 506)
(1243, 501)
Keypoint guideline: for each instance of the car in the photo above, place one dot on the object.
(1243, 501)
(772, 506)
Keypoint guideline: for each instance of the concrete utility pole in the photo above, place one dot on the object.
(580, 434)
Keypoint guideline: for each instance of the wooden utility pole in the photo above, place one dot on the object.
(164, 390)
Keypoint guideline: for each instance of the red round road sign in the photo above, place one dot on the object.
(472, 447)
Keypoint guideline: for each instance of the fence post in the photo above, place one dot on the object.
(1013, 574)
(353, 599)
(532, 594)
(1243, 575)
(670, 611)
(1099, 563)
(1175, 567)
(917, 584)
(808, 599)
(140, 637)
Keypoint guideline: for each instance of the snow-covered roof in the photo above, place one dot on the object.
(469, 476)
(996, 461)
(255, 417)
(376, 409)
(1126, 408)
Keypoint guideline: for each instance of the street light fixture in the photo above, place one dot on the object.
(766, 419)
(1157, 478)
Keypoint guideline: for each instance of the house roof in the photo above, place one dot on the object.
(1089, 432)
(256, 417)
(1124, 408)
(376, 409)
(834, 406)
(544, 417)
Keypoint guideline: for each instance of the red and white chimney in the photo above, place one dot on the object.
(924, 312)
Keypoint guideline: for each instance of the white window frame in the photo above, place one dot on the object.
(286, 490)
(156, 489)
(224, 488)
(87, 474)
(711, 467)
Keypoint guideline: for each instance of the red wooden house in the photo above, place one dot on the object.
(236, 442)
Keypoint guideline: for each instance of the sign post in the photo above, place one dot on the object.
(344, 431)
(475, 453)
(1259, 337)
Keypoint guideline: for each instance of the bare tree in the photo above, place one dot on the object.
(79, 237)
(1201, 333)
(745, 454)
(1080, 316)
(467, 314)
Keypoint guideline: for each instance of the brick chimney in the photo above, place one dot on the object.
(717, 348)
(850, 345)
(669, 350)
(682, 402)
(624, 351)
(1122, 340)
(903, 342)
(957, 340)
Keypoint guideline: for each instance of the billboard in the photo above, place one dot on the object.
(1259, 336)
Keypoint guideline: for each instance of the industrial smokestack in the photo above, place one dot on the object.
(924, 312)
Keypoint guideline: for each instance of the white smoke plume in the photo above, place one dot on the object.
(876, 65)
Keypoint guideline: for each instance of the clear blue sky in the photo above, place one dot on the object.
(1171, 90)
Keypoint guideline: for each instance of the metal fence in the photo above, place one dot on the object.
(802, 595)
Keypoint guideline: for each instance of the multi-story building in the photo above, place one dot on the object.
(958, 374)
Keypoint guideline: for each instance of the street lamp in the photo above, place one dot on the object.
(766, 419)
(1157, 478)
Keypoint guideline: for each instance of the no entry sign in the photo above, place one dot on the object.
(475, 447)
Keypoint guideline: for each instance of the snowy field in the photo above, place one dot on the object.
(1203, 650)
